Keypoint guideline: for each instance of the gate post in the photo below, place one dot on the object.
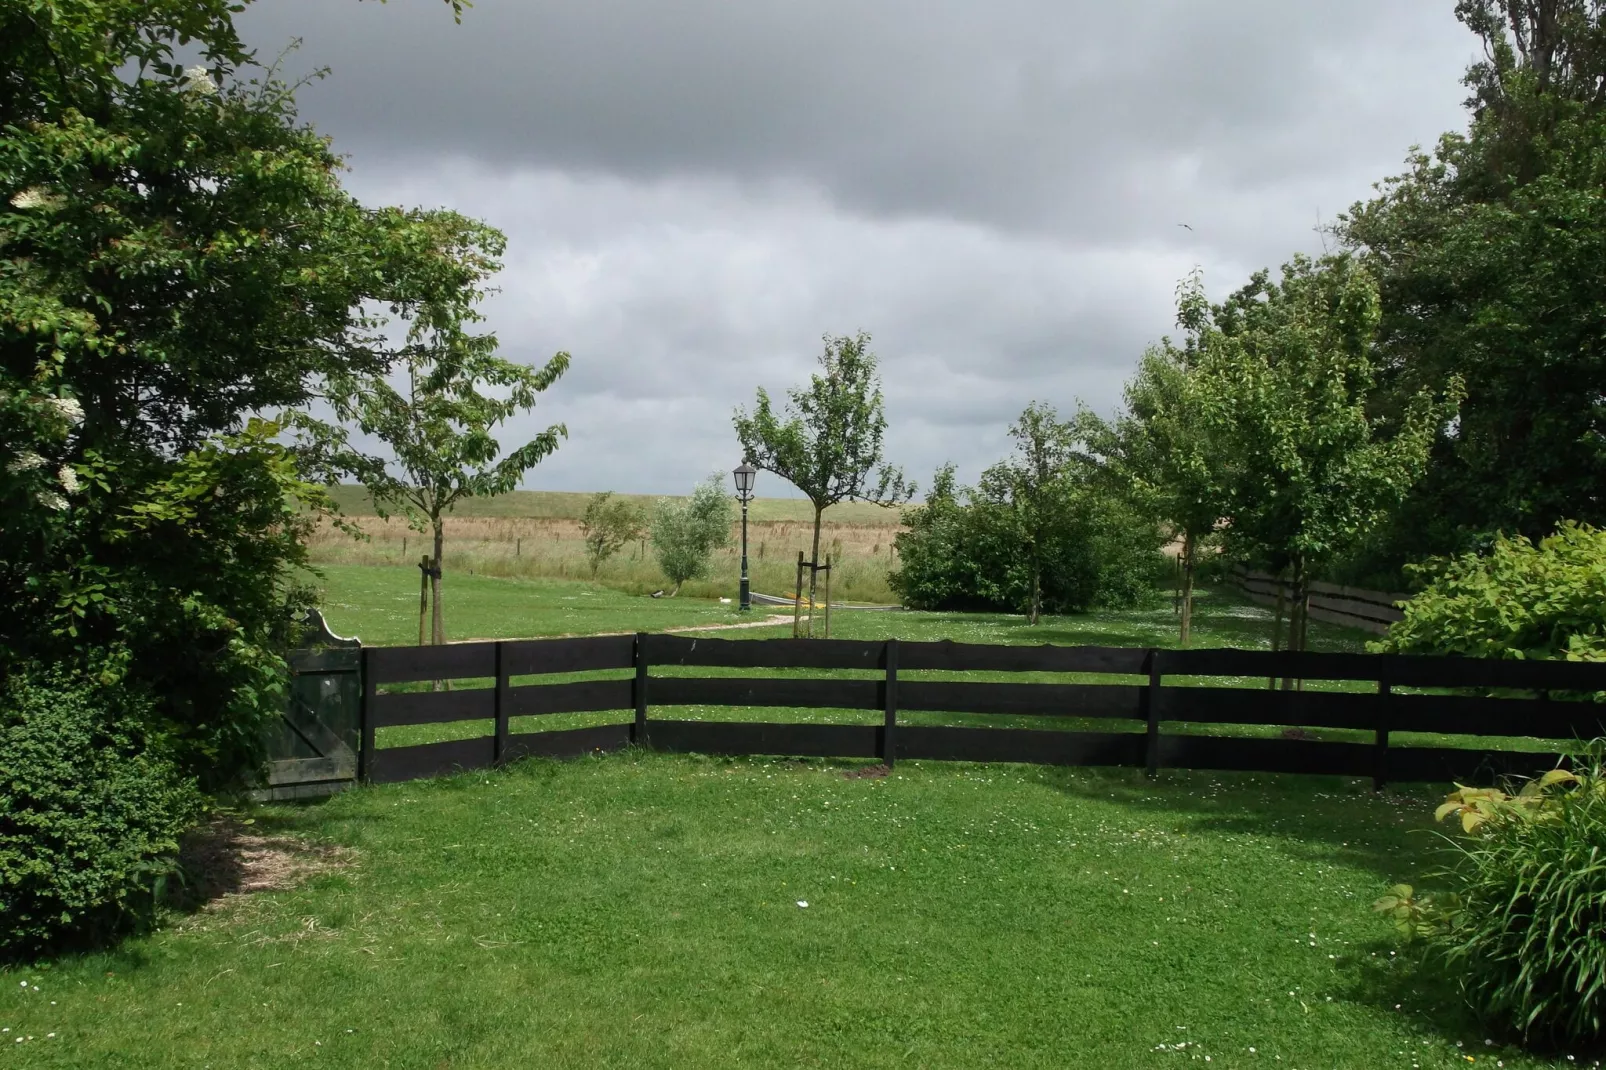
(500, 704)
(365, 716)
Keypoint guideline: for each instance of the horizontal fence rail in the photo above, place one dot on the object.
(1159, 694)
(1353, 607)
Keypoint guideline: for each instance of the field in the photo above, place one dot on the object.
(648, 910)
(536, 535)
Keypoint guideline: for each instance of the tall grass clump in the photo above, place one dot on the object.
(1522, 924)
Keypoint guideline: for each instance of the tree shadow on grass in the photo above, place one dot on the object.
(1315, 818)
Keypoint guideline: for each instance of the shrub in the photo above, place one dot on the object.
(1516, 600)
(90, 813)
(1523, 924)
(685, 533)
(961, 551)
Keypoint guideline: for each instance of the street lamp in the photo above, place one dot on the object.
(744, 476)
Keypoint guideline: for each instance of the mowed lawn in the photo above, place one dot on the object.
(642, 910)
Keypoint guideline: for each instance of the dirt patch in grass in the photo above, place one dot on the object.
(225, 858)
(867, 772)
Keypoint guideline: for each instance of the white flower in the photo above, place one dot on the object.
(68, 478)
(27, 461)
(69, 408)
(803, 902)
(35, 197)
(198, 79)
(51, 500)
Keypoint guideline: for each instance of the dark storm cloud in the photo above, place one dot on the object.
(694, 192)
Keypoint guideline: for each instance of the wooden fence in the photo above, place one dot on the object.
(1165, 691)
(1353, 607)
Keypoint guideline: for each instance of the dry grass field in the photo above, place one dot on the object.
(547, 543)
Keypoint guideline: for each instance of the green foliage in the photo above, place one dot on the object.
(962, 550)
(1285, 371)
(90, 812)
(1523, 927)
(179, 256)
(1160, 453)
(608, 525)
(685, 532)
(1487, 251)
(829, 443)
(1516, 600)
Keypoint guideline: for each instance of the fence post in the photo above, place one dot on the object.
(1380, 747)
(365, 719)
(888, 748)
(797, 603)
(500, 706)
(639, 735)
(1152, 709)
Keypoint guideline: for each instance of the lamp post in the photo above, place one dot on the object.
(744, 476)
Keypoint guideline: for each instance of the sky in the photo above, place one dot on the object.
(1004, 195)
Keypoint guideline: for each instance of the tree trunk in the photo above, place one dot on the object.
(1300, 584)
(437, 625)
(1187, 588)
(423, 598)
(1276, 627)
(814, 559)
(1037, 594)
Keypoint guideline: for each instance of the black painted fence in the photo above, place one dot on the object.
(1155, 698)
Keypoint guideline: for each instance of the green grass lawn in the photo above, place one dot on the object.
(643, 910)
(379, 604)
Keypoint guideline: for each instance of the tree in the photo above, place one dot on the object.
(1487, 252)
(1285, 373)
(686, 532)
(179, 257)
(1036, 485)
(1158, 452)
(607, 526)
(829, 443)
(440, 430)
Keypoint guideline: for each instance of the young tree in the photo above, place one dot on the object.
(829, 443)
(607, 526)
(179, 256)
(1285, 373)
(439, 425)
(1038, 489)
(1158, 452)
(686, 532)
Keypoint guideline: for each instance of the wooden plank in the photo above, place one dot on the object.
(365, 719)
(887, 745)
(453, 661)
(583, 696)
(1020, 745)
(638, 733)
(323, 662)
(760, 691)
(532, 657)
(797, 740)
(1151, 716)
(432, 707)
(1449, 765)
(1032, 700)
(993, 657)
(1266, 755)
(765, 653)
(1300, 664)
(1475, 716)
(392, 764)
(500, 704)
(1243, 705)
(569, 743)
(1416, 670)
(310, 770)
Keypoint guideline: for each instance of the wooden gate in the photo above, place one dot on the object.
(312, 751)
